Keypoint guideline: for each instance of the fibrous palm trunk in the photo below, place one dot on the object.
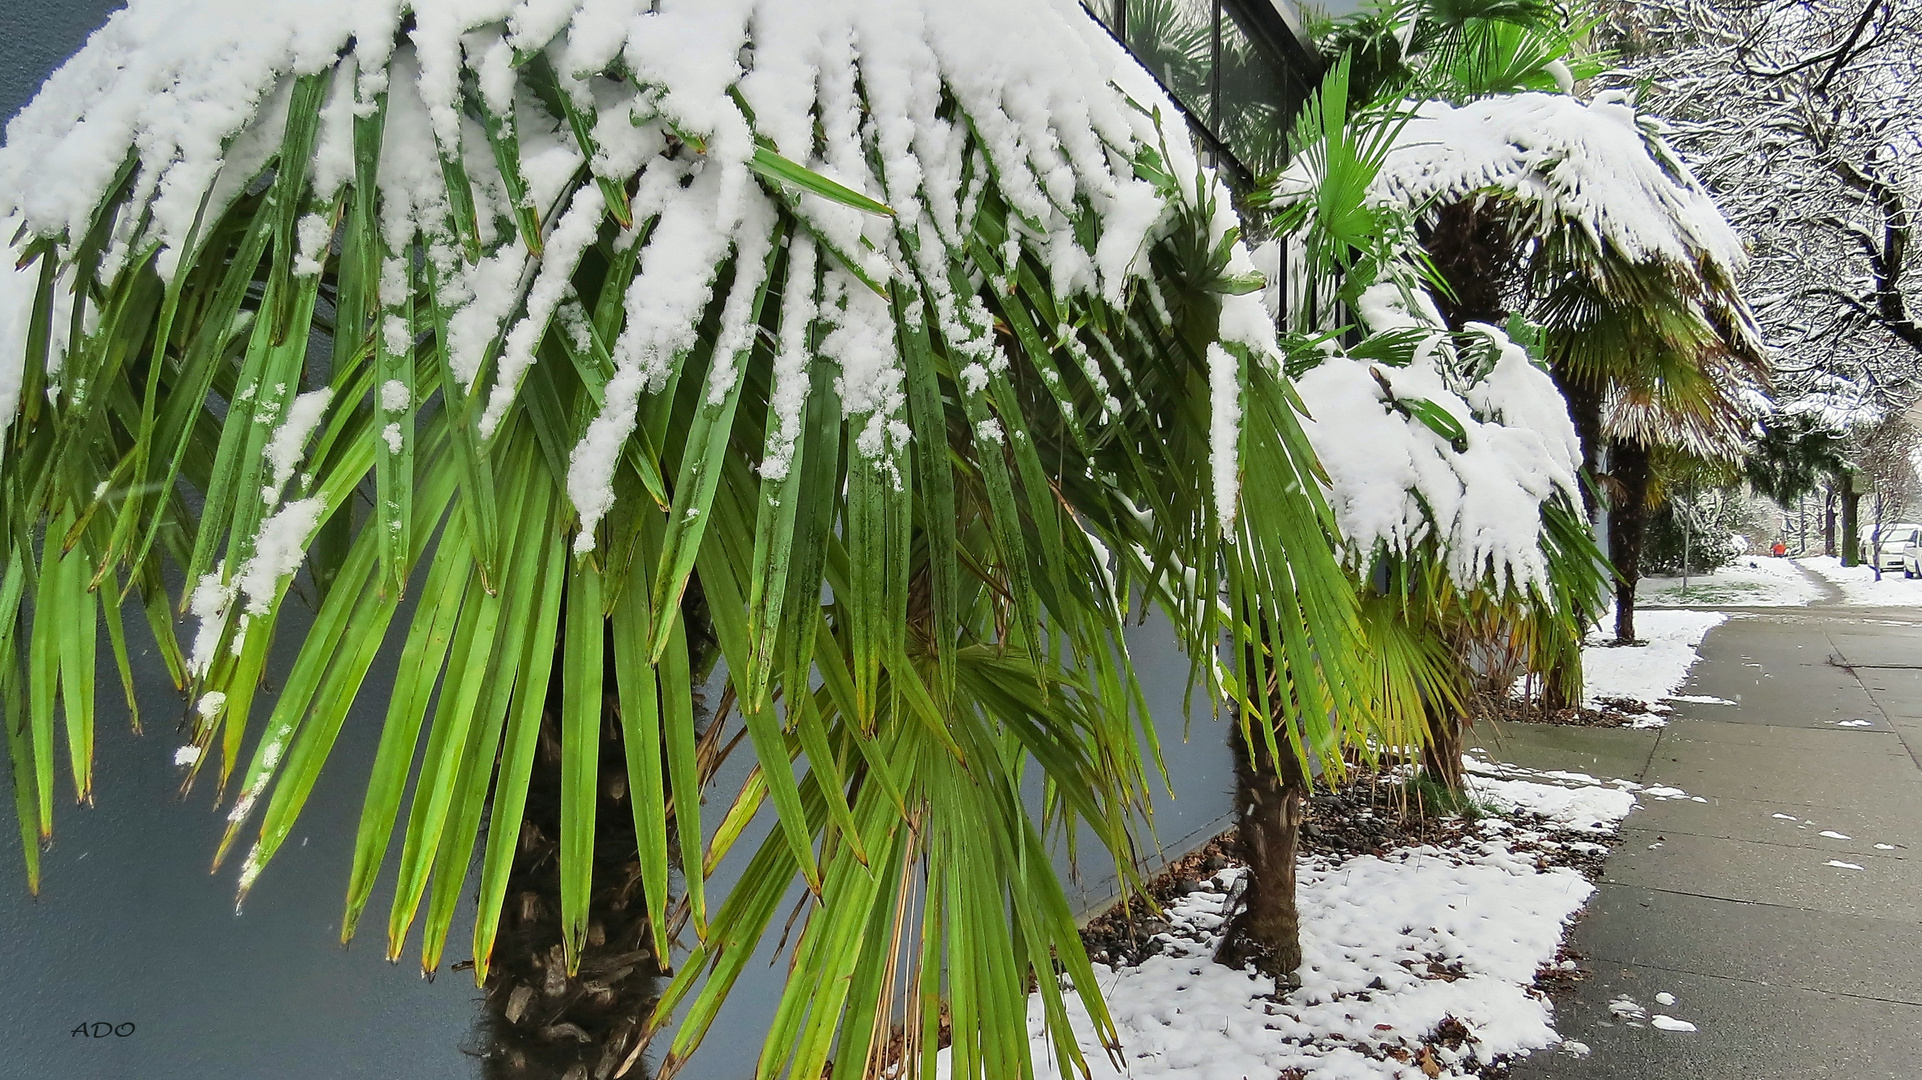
(1271, 803)
(539, 1022)
(1474, 246)
(1628, 465)
(1585, 411)
(1441, 755)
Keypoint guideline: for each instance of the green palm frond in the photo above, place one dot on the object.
(882, 470)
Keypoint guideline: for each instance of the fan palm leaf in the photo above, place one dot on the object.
(587, 356)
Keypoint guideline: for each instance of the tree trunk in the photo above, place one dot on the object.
(1561, 684)
(1585, 411)
(538, 1022)
(1627, 521)
(1441, 758)
(1828, 523)
(1852, 529)
(1474, 247)
(1271, 802)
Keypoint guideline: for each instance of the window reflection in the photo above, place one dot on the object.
(1175, 40)
(1233, 66)
(1253, 105)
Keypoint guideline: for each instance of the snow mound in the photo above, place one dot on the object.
(1653, 671)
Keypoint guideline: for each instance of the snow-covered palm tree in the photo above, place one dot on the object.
(873, 356)
(1452, 469)
(1578, 216)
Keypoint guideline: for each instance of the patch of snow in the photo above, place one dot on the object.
(187, 755)
(1749, 581)
(1652, 671)
(1669, 1023)
(1372, 929)
(1590, 809)
(1664, 998)
(1702, 699)
(1840, 865)
(1224, 431)
(1834, 835)
(1857, 723)
(290, 438)
(1859, 586)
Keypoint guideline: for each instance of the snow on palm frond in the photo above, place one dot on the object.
(1440, 442)
(1629, 264)
(1595, 166)
(183, 104)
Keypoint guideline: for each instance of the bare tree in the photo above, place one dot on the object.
(1804, 118)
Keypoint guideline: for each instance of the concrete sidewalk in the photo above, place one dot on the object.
(1790, 966)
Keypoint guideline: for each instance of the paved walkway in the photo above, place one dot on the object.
(1792, 968)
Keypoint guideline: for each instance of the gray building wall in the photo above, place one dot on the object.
(39, 35)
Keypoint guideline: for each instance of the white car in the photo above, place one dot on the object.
(1912, 556)
(1894, 547)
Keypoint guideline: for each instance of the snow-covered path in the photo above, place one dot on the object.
(1749, 581)
(1859, 586)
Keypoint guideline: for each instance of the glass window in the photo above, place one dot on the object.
(1254, 105)
(1175, 39)
(1104, 10)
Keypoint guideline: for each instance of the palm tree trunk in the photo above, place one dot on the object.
(1271, 803)
(1560, 684)
(1585, 411)
(1441, 756)
(1627, 522)
(1474, 246)
(539, 1023)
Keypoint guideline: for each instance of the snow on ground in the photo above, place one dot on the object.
(1651, 672)
(1859, 586)
(1749, 581)
(1393, 946)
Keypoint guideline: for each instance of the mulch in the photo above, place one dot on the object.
(1614, 712)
